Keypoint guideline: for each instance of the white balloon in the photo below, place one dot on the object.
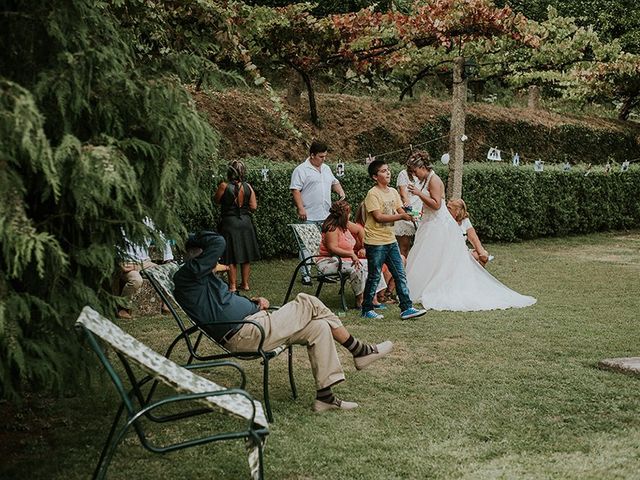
(444, 158)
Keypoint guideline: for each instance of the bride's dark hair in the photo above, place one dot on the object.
(417, 159)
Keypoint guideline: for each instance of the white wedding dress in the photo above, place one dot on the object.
(442, 274)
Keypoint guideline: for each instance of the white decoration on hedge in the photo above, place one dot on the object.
(566, 166)
(445, 158)
(265, 174)
(625, 166)
(340, 169)
(515, 161)
(464, 137)
(538, 165)
(494, 155)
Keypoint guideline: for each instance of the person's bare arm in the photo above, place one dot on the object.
(253, 201)
(386, 218)
(404, 194)
(435, 190)
(474, 240)
(357, 231)
(218, 195)
(337, 187)
(297, 199)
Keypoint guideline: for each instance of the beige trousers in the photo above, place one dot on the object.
(303, 321)
(131, 277)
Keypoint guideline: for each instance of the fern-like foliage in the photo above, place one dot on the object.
(94, 137)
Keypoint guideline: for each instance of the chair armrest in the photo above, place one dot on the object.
(195, 396)
(220, 363)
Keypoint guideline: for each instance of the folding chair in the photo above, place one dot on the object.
(189, 388)
(308, 238)
(161, 278)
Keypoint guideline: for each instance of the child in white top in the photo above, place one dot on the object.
(458, 210)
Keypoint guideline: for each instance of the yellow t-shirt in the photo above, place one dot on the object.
(388, 203)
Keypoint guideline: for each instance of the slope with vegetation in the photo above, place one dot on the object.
(358, 125)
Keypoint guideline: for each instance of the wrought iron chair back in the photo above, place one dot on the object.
(137, 405)
(308, 238)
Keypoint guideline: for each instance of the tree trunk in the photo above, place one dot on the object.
(533, 98)
(628, 104)
(313, 109)
(456, 145)
(294, 88)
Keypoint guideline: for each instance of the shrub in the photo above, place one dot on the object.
(92, 140)
(506, 203)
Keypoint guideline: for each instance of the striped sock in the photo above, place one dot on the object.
(325, 395)
(357, 348)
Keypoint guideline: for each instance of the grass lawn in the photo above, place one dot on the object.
(503, 394)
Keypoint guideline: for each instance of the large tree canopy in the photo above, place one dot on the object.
(93, 138)
(612, 19)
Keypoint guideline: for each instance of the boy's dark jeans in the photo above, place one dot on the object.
(377, 255)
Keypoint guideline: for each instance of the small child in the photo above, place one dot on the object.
(458, 210)
(384, 206)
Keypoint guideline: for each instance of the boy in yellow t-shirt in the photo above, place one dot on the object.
(384, 207)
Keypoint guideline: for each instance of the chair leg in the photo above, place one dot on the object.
(265, 388)
(292, 381)
(112, 450)
(260, 462)
(342, 294)
(320, 282)
(109, 448)
(291, 283)
(195, 348)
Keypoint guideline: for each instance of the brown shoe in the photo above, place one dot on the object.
(124, 313)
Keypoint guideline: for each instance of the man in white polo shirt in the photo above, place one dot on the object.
(311, 185)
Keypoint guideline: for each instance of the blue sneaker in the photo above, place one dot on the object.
(379, 306)
(412, 312)
(372, 315)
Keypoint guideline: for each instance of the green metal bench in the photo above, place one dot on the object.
(140, 411)
(161, 278)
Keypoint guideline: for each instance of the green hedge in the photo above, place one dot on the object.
(506, 203)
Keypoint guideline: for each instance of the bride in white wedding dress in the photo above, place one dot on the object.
(441, 273)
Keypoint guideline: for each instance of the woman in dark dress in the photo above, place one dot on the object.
(237, 201)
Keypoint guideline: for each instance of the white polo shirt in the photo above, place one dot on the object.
(315, 188)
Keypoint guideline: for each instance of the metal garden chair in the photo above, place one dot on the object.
(195, 395)
(308, 238)
(161, 278)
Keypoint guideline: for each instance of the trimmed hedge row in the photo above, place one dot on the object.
(506, 203)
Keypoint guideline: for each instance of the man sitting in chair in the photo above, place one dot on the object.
(303, 321)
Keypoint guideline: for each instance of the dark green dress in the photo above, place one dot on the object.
(236, 226)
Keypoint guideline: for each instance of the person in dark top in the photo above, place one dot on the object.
(237, 201)
(303, 321)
